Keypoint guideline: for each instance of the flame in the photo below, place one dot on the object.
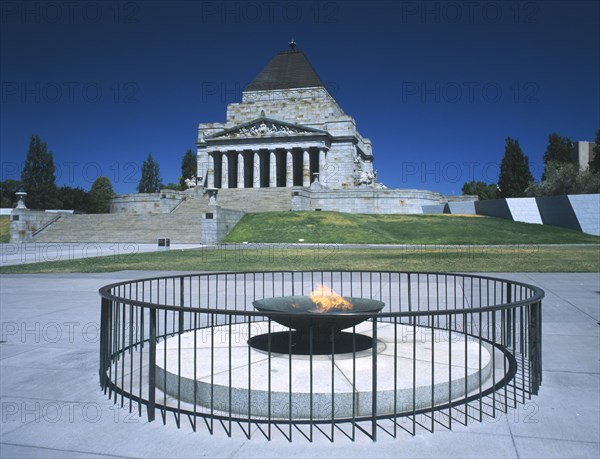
(326, 299)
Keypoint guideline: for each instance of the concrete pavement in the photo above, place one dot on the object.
(52, 405)
(37, 252)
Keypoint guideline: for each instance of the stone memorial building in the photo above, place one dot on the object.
(287, 131)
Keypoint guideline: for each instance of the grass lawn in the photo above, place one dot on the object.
(342, 228)
(4, 229)
(253, 257)
(521, 247)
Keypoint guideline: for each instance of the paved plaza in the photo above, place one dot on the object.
(52, 405)
(34, 252)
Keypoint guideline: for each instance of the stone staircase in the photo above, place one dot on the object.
(181, 226)
(252, 200)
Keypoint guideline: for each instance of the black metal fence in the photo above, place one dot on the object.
(449, 348)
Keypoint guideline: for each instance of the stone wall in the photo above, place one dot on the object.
(217, 222)
(368, 200)
(24, 223)
(587, 211)
(306, 106)
(557, 211)
(147, 203)
(524, 210)
(461, 207)
(494, 208)
(577, 212)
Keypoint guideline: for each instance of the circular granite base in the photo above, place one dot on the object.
(448, 366)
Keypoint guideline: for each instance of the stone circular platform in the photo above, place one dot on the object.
(238, 378)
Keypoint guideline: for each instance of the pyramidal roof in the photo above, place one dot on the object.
(288, 69)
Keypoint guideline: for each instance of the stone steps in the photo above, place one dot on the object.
(179, 227)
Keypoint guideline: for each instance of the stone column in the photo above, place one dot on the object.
(305, 168)
(240, 170)
(272, 169)
(256, 166)
(224, 170)
(322, 167)
(210, 173)
(289, 169)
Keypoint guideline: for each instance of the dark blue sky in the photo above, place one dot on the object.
(437, 86)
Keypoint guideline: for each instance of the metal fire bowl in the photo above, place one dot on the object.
(299, 313)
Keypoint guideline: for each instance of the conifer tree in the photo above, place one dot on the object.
(595, 162)
(189, 168)
(38, 176)
(150, 181)
(560, 150)
(515, 175)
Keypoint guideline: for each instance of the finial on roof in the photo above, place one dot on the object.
(292, 44)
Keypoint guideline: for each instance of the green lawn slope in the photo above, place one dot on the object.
(4, 229)
(343, 228)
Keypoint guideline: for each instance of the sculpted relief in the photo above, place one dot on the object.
(266, 129)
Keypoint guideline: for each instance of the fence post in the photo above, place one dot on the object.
(152, 367)
(509, 313)
(104, 340)
(374, 383)
(181, 300)
(534, 347)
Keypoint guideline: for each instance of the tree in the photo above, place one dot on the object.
(8, 188)
(515, 175)
(595, 162)
(100, 195)
(150, 181)
(565, 178)
(76, 199)
(37, 176)
(189, 168)
(481, 189)
(560, 150)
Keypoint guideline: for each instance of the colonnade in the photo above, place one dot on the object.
(265, 168)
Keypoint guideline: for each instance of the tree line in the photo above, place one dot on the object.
(38, 180)
(561, 174)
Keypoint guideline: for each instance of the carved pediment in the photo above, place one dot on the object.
(265, 128)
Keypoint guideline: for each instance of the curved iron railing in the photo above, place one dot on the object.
(178, 344)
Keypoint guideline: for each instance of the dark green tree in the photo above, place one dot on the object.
(76, 199)
(515, 175)
(189, 168)
(8, 188)
(559, 150)
(150, 181)
(481, 189)
(38, 176)
(595, 162)
(171, 186)
(101, 193)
